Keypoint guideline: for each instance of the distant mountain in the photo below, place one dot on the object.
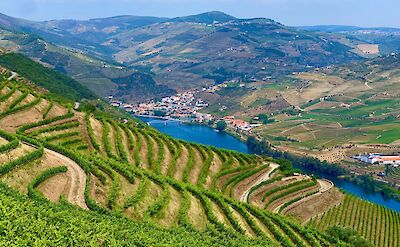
(340, 28)
(180, 53)
(387, 38)
(207, 18)
(93, 73)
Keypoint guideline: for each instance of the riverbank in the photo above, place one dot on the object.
(208, 136)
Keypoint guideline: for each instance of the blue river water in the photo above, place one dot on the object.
(208, 136)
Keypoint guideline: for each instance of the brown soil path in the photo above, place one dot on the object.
(75, 187)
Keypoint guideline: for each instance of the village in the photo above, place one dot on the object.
(184, 107)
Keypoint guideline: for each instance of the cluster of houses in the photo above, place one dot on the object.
(183, 106)
(393, 160)
(239, 125)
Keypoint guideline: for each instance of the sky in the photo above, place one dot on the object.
(366, 13)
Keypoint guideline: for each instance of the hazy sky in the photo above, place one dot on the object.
(290, 12)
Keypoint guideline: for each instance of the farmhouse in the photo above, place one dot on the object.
(393, 160)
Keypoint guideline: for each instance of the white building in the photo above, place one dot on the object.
(393, 160)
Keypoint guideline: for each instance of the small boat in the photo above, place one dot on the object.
(165, 123)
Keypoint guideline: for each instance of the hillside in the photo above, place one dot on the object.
(192, 51)
(95, 74)
(332, 113)
(55, 82)
(123, 172)
(385, 38)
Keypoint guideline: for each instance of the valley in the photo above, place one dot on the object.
(205, 129)
(117, 166)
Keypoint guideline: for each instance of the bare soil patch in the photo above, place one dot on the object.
(198, 164)
(143, 152)
(317, 205)
(57, 110)
(99, 191)
(170, 212)
(256, 197)
(98, 132)
(220, 215)
(214, 169)
(243, 223)
(125, 142)
(152, 194)
(54, 187)
(181, 163)
(247, 183)
(75, 186)
(4, 105)
(196, 213)
(167, 160)
(127, 189)
(369, 48)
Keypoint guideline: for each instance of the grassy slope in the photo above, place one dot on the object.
(56, 83)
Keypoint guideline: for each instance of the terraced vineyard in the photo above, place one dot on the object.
(132, 170)
(125, 168)
(381, 226)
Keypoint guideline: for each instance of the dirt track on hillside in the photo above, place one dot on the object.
(75, 187)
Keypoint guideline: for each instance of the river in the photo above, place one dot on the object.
(208, 136)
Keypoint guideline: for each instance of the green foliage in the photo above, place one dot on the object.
(106, 139)
(11, 144)
(206, 167)
(61, 86)
(91, 132)
(265, 119)
(177, 154)
(221, 125)
(24, 222)
(44, 122)
(155, 210)
(240, 177)
(284, 165)
(71, 142)
(138, 195)
(58, 127)
(119, 142)
(8, 94)
(266, 182)
(189, 164)
(23, 160)
(290, 191)
(20, 108)
(18, 100)
(349, 236)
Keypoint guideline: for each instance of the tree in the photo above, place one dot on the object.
(160, 113)
(265, 119)
(221, 125)
(284, 165)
